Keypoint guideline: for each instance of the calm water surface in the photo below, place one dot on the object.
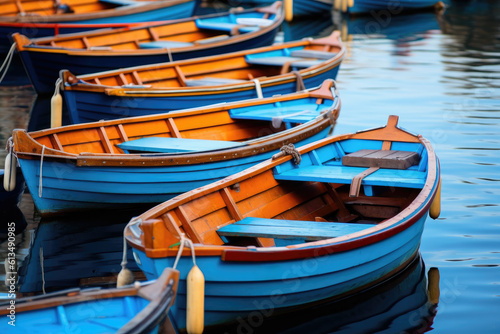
(441, 75)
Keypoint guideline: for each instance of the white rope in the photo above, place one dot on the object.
(124, 254)
(7, 61)
(57, 86)
(258, 88)
(189, 243)
(43, 273)
(169, 54)
(41, 166)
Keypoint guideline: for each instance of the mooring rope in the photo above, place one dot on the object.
(289, 150)
(7, 61)
(258, 88)
(190, 244)
(41, 166)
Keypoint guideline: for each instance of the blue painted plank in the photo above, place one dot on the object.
(293, 114)
(282, 60)
(223, 26)
(289, 229)
(169, 145)
(344, 175)
(164, 45)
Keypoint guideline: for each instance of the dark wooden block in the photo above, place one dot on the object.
(381, 158)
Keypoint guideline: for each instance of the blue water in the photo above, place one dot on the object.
(441, 75)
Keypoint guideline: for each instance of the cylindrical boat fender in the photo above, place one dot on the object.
(350, 3)
(344, 6)
(435, 209)
(195, 301)
(433, 285)
(125, 277)
(288, 10)
(337, 4)
(9, 177)
(56, 110)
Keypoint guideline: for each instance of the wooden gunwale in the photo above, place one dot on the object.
(205, 90)
(27, 147)
(24, 43)
(109, 12)
(390, 227)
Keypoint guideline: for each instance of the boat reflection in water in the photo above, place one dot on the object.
(407, 303)
(82, 250)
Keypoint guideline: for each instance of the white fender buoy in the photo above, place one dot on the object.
(56, 110)
(9, 177)
(288, 10)
(433, 285)
(435, 209)
(195, 301)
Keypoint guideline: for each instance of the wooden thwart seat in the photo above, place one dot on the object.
(296, 62)
(278, 115)
(381, 158)
(173, 145)
(288, 229)
(224, 26)
(211, 81)
(344, 175)
(164, 45)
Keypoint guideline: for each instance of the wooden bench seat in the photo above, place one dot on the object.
(288, 229)
(296, 62)
(175, 145)
(278, 115)
(211, 81)
(312, 54)
(344, 175)
(164, 45)
(224, 26)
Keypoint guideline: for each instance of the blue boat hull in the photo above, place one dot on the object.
(300, 7)
(392, 7)
(43, 67)
(85, 106)
(66, 187)
(243, 289)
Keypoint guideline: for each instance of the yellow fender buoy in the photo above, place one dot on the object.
(433, 285)
(435, 209)
(350, 3)
(195, 301)
(344, 6)
(289, 10)
(125, 277)
(56, 110)
(9, 177)
(337, 4)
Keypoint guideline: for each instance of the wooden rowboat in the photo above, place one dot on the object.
(93, 11)
(40, 18)
(104, 50)
(133, 309)
(386, 7)
(298, 8)
(150, 89)
(282, 234)
(86, 166)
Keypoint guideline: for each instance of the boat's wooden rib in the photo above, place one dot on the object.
(174, 152)
(301, 222)
(159, 88)
(101, 50)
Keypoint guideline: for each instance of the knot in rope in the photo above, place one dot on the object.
(289, 150)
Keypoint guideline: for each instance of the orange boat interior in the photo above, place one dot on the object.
(53, 7)
(263, 197)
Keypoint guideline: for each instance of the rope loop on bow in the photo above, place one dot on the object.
(289, 150)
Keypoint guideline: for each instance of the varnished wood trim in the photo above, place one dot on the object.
(187, 225)
(174, 132)
(122, 78)
(137, 78)
(230, 204)
(56, 143)
(171, 225)
(122, 133)
(180, 76)
(105, 140)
